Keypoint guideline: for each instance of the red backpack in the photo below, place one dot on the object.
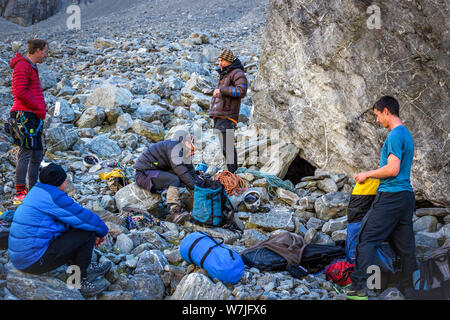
(339, 272)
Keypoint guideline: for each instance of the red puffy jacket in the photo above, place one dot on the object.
(26, 87)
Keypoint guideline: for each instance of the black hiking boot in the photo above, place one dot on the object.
(92, 288)
(96, 270)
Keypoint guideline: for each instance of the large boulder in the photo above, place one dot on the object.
(31, 287)
(145, 287)
(134, 196)
(197, 286)
(60, 138)
(103, 146)
(109, 97)
(152, 131)
(91, 117)
(323, 66)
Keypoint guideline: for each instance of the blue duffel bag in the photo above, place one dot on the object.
(206, 252)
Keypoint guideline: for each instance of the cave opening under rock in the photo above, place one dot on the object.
(298, 169)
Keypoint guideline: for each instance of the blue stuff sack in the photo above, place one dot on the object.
(386, 259)
(351, 241)
(210, 254)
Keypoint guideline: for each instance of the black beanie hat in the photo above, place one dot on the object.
(53, 174)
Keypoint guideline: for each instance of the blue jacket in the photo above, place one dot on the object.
(46, 213)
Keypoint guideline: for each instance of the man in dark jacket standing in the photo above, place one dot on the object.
(226, 103)
(167, 164)
(49, 229)
(27, 115)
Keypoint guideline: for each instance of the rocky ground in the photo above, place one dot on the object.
(131, 77)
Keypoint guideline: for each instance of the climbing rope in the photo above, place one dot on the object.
(234, 184)
(273, 180)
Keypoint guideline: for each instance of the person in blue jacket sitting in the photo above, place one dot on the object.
(50, 229)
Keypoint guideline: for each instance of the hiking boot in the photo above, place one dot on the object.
(356, 293)
(92, 288)
(18, 198)
(96, 270)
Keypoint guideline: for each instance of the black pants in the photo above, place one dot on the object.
(389, 219)
(73, 247)
(164, 180)
(226, 128)
(31, 150)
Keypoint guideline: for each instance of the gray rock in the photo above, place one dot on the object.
(334, 225)
(277, 218)
(108, 203)
(227, 235)
(287, 196)
(426, 223)
(211, 53)
(310, 236)
(152, 237)
(124, 122)
(327, 185)
(151, 113)
(60, 138)
(339, 235)
(133, 196)
(190, 97)
(31, 287)
(102, 146)
(183, 113)
(91, 117)
(314, 223)
(244, 113)
(47, 77)
(124, 244)
(145, 287)
(109, 97)
(101, 43)
(115, 295)
(196, 286)
(66, 112)
(306, 203)
(252, 237)
(391, 294)
(149, 130)
(445, 231)
(152, 261)
(435, 212)
(322, 238)
(425, 243)
(329, 205)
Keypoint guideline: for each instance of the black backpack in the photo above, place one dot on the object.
(264, 259)
(433, 282)
(317, 256)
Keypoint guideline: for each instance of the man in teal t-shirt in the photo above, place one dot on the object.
(390, 217)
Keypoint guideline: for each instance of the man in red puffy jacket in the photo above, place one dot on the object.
(27, 115)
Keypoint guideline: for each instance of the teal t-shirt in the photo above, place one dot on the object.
(400, 143)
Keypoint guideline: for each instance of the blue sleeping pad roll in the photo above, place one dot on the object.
(210, 254)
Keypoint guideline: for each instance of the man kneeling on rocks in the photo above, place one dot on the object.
(49, 230)
(167, 164)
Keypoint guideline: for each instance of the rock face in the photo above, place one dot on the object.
(322, 69)
(26, 12)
